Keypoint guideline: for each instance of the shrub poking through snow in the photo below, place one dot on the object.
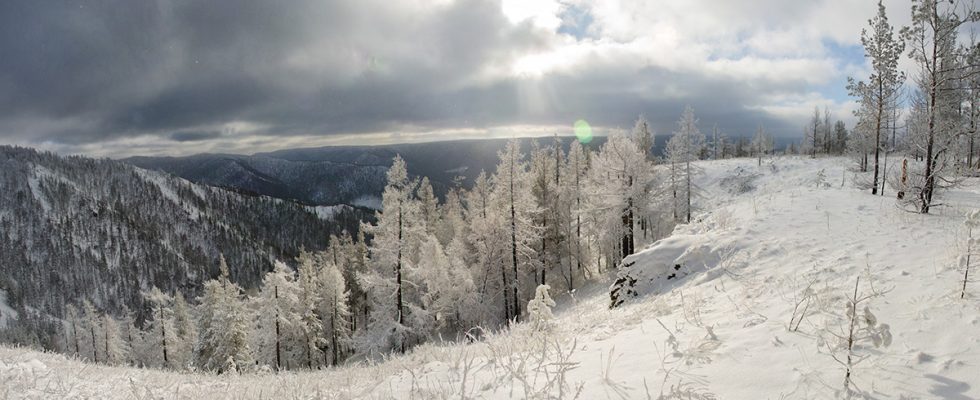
(855, 329)
(821, 179)
(972, 222)
(539, 308)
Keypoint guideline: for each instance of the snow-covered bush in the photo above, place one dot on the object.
(539, 308)
(846, 334)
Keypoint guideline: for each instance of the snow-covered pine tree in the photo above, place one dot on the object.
(185, 329)
(573, 189)
(840, 137)
(395, 238)
(682, 149)
(428, 206)
(115, 345)
(278, 332)
(811, 134)
(92, 332)
(761, 144)
(130, 335)
(159, 334)
(620, 182)
(71, 326)
(644, 136)
(512, 198)
(488, 250)
(449, 288)
(880, 94)
(451, 224)
(931, 41)
(224, 324)
(333, 311)
(350, 257)
(545, 169)
(309, 297)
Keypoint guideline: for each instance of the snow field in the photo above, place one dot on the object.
(776, 236)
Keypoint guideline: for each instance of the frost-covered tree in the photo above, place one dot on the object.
(879, 94)
(574, 188)
(840, 138)
(428, 206)
(185, 330)
(278, 334)
(396, 238)
(71, 326)
(812, 134)
(761, 144)
(621, 188)
(487, 249)
(114, 345)
(224, 324)
(130, 335)
(971, 86)
(449, 288)
(92, 328)
(309, 295)
(643, 135)
(332, 309)
(545, 172)
(160, 335)
(513, 198)
(683, 149)
(932, 45)
(351, 258)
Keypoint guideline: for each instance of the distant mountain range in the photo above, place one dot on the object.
(352, 175)
(105, 230)
(340, 175)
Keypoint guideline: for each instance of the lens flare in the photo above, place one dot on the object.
(583, 131)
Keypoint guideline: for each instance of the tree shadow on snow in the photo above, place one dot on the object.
(948, 388)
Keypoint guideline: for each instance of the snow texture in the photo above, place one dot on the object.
(719, 328)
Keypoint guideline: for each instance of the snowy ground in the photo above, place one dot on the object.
(719, 329)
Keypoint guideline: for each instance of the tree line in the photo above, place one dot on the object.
(428, 267)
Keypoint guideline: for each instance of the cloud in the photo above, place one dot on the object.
(172, 76)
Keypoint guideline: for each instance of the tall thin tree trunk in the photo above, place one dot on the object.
(926, 195)
(278, 341)
(689, 189)
(874, 186)
(106, 331)
(163, 337)
(513, 243)
(74, 334)
(966, 269)
(95, 353)
(398, 278)
(850, 337)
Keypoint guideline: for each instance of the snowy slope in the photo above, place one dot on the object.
(718, 329)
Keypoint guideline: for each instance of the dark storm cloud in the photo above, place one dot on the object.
(131, 67)
(82, 72)
(193, 136)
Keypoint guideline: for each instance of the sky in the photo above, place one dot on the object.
(174, 77)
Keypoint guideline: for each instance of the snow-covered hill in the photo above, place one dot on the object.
(744, 303)
(74, 228)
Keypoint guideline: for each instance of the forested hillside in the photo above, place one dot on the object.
(75, 228)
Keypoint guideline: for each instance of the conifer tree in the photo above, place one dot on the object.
(224, 324)
(879, 95)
